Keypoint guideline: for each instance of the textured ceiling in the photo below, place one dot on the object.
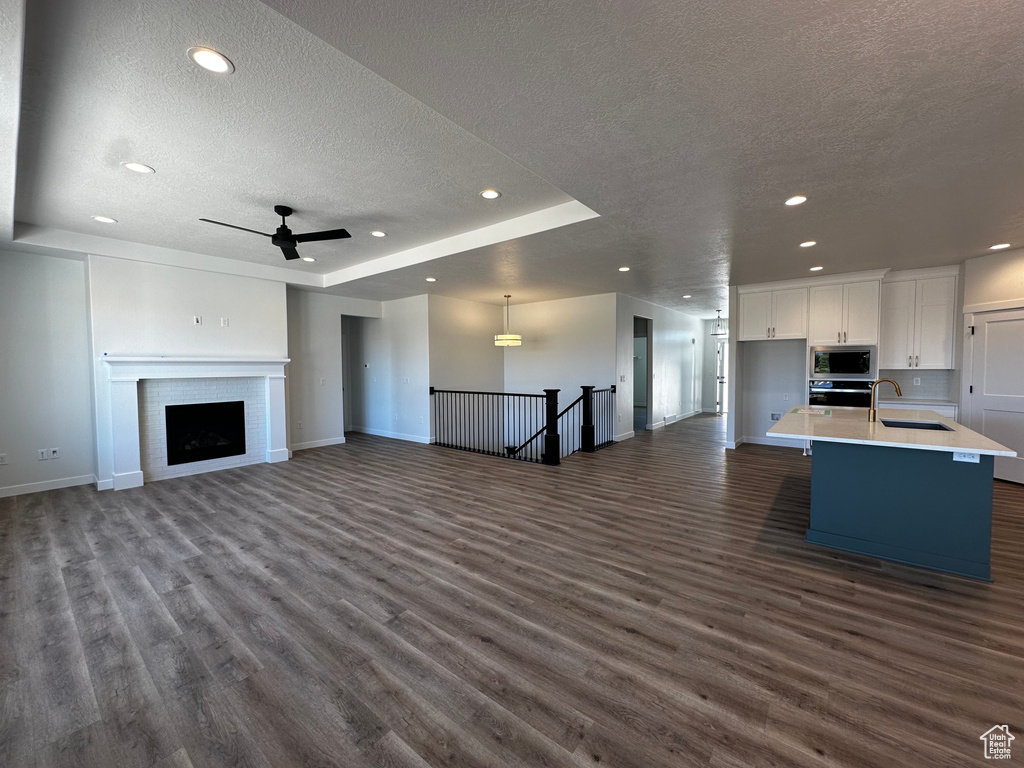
(683, 124)
(298, 123)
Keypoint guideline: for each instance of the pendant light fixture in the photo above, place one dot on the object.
(507, 339)
(720, 326)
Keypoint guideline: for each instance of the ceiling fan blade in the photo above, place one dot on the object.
(289, 253)
(327, 234)
(222, 224)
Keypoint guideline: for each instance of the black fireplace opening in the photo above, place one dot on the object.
(204, 431)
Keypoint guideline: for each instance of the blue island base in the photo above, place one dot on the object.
(911, 506)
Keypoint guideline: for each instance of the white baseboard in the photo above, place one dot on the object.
(658, 424)
(393, 435)
(709, 410)
(128, 480)
(624, 436)
(734, 444)
(318, 443)
(46, 485)
(103, 485)
(779, 442)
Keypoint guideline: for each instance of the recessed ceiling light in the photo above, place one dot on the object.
(138, 167)
(687, 296)
(378, 233)
(490, 194)
(307, 258)
(999, 246)
(211, 60)
(796, 200)
(105, 220)
(623, 269)
(808, 244)
(816, 269)
(431, 279)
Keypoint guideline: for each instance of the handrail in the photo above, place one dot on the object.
(539, 432)
(471, 392)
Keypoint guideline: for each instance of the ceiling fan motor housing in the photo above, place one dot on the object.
(283, 238)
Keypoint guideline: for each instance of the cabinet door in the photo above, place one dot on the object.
(860, 313)
(789, 314)
(826, 310)
(896, 342)
(934, 323)
(755, 316)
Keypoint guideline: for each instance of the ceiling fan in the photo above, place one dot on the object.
(284, 239)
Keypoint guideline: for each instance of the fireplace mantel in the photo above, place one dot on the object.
(124, 374)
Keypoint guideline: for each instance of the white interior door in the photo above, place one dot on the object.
(997, 402)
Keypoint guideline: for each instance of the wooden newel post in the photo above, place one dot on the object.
(552, 446)
(587, 430)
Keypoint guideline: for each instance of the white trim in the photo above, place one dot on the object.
(531, 223)
(393, 435)
(778, 442)
(734, 445)
(318, 443)
(123, 480)
(46, 485)
(279, 454)
(800, 282)
(657, 425)
(897, 276)
(994, 306)
(624, 436)
(103, 485)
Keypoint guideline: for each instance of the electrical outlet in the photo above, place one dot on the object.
(396, 415)
(620, 417)
(622, 378)
(3, 458)
(197, 320)
(405, 379)
(223, 322)
(55, 453)
(785, 397)
(322, 381)
(970, 458)
(299, 425)
(42, 454)
(917, 381)
(776, 416)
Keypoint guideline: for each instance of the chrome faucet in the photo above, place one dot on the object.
(873, 412)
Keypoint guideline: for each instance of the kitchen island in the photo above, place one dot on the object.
(917, 491)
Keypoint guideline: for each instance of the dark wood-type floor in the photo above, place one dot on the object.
(389, 604)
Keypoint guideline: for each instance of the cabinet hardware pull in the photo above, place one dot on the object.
(910, 361)
(839, 339)
(917, 360)
(844, 337)
(773, 331)
(768, 332)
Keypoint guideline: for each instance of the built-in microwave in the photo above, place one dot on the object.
(848, 363)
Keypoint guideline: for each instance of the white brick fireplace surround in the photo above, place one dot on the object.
(123, 377)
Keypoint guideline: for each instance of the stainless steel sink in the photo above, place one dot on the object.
(937, 426)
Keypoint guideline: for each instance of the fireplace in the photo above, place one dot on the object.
(203, 431)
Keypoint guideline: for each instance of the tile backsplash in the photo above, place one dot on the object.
(935, 385)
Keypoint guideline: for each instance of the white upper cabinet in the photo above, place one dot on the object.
(755, 316)
(789, 310)
(826, 315)
(917, 323)
(896, 345)
(844, 314)
(860, 313)
(773, 315)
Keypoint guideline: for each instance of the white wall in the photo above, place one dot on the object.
(44, 373)
(315, 375)
(462, 351)
(143, 309)
(146, 309)
(567, 343)
(771, 369)
(677, 357)
(390, 380)
(994, 282)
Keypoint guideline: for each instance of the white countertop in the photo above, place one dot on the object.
(851, 425)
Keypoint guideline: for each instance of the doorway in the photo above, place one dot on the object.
(995, 391)
(643, 374)
(721, 378)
